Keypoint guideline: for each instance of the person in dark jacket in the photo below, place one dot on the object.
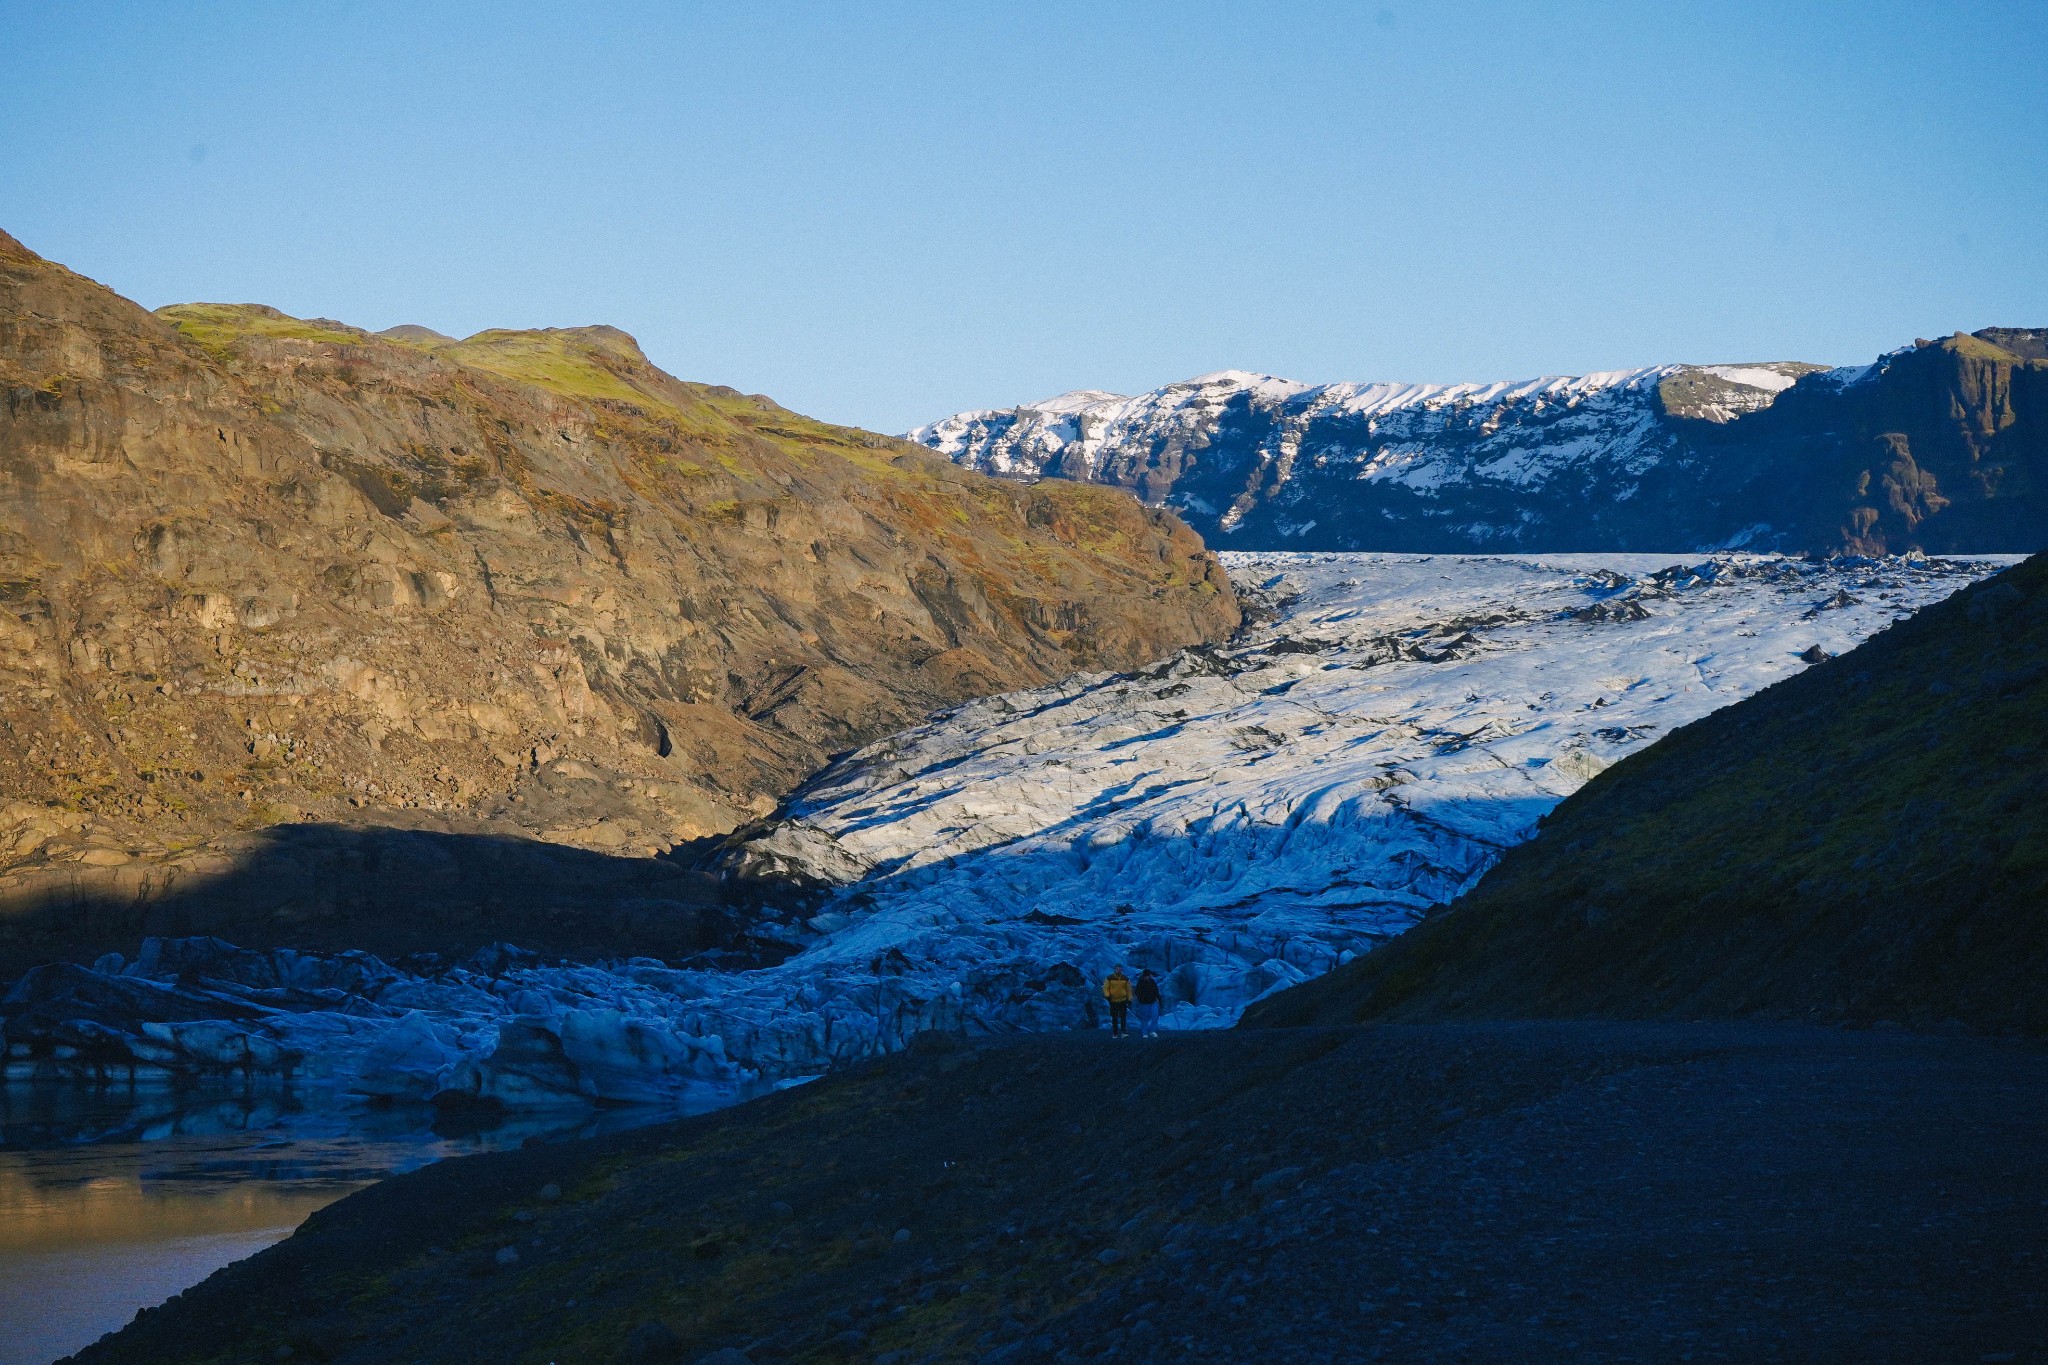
(1147, 996)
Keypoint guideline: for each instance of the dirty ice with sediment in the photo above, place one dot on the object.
(1236, 818)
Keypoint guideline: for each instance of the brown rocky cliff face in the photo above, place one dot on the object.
(256, 570)
(1943, 453)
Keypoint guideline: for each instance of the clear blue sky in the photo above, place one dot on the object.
(881, 213)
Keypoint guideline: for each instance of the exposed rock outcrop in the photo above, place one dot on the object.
(257, 570)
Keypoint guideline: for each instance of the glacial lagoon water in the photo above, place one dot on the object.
(113, 1199)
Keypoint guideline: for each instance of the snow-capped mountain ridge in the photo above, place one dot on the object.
(1083, 421)
(1520, 434)
(1779, 455)
(951, 435)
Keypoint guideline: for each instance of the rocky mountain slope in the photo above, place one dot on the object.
(1866, 841)
(261, 572)
(1941, 447)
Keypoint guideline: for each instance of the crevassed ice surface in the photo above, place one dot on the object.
(1237, 819)
(1243, 818)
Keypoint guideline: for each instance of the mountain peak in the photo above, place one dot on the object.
(1758, 454)
(2022, 343)
(592, 337)
(1076, 400)
(217, 326)
(418, 335)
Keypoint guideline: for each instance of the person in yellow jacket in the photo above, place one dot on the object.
(1117, 991)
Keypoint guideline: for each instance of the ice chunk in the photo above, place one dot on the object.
(412, 1059)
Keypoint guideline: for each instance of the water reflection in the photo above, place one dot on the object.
(114, 1198)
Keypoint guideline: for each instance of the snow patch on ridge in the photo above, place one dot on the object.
(1253, 430)
(1753, 376)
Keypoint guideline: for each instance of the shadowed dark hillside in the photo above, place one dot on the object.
(389, 891)
(1867, 841)
(1589, 1191)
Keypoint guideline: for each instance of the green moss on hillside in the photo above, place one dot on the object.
(599, 364)
(563, 361)
(1978, 348)
(217, 326)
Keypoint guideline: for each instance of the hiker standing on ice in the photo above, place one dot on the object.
(1148, 1004)
(1117, 991)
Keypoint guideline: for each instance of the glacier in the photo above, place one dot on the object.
(1237, 818)
(1241, 819)
(501, 1029)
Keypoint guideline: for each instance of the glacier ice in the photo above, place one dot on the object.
(1240, 819)
(501, 1028)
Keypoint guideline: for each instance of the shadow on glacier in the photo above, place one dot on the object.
(1016, 937)
(1355, 849)
(1010, 938)
(389, 891)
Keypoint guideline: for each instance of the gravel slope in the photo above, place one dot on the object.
(1591, 1191)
